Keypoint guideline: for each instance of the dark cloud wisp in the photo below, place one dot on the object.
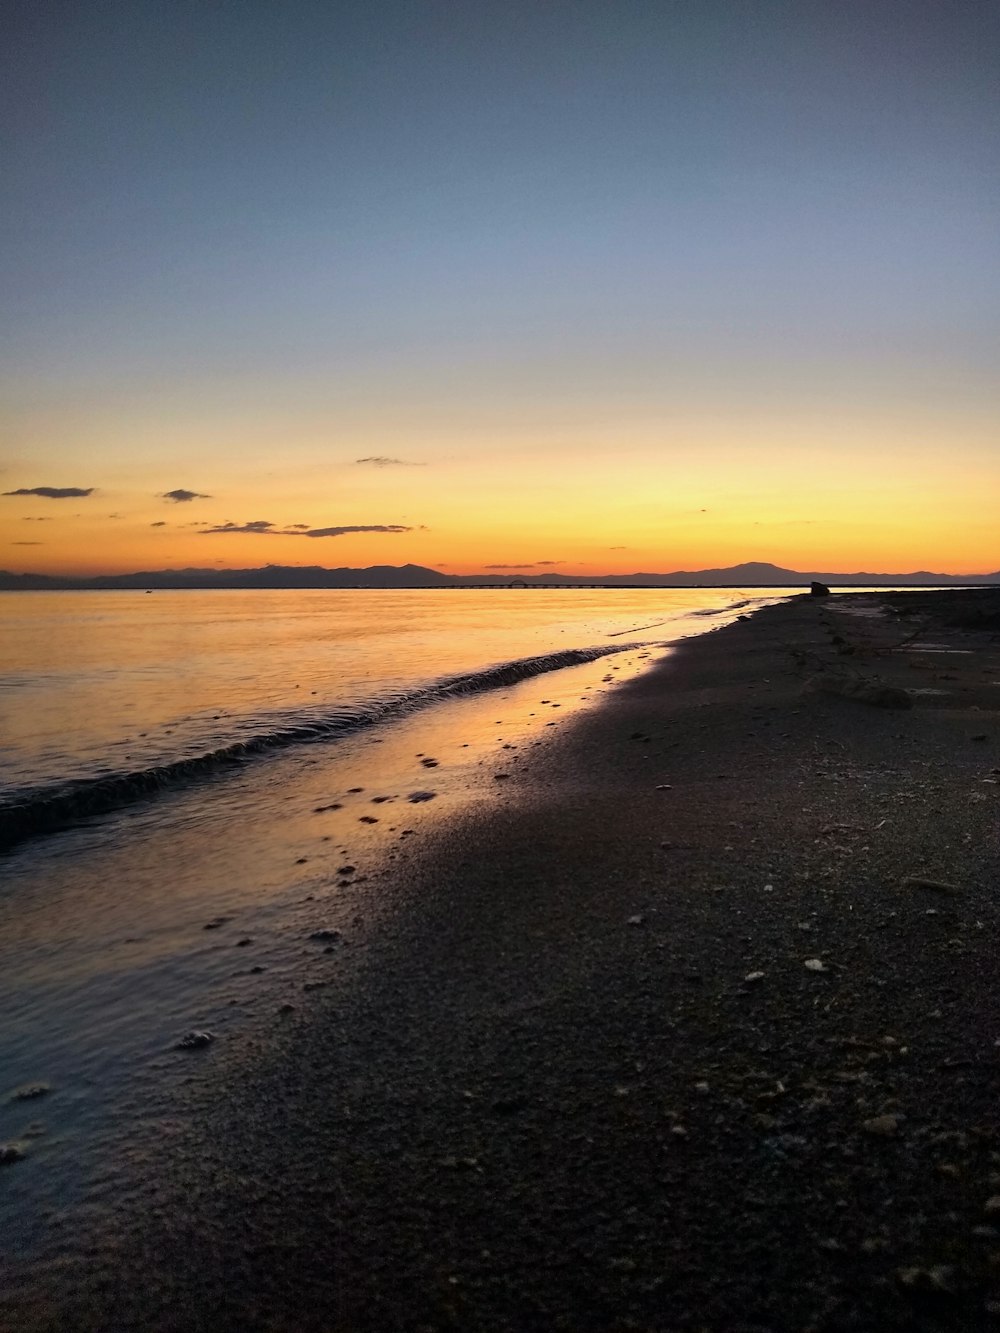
(261, 527)
(180, 495)
(380, 460)
(54, 492)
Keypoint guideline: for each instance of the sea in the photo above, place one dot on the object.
(193, 783)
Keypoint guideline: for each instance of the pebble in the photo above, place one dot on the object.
(195, 1040)
(30, 1092)
(754, 976)
(815, 965)
(881, 1126)
(325, 934)
(636, 920)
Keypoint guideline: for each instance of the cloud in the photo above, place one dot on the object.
(527, 564)
(258, 526)
(380, 460)
(261, 527)
(619, 548)
(181, 496)
(27, 543)
(54, 492)
(161, 524)
(364, 527)
(32, 518)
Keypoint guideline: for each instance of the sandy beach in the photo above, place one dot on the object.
(693, 1026)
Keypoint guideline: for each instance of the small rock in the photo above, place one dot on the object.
(195, 1040)
(881, 1126)
(325, 934)
(415, 797)
(29, 1092)
(9, 1154)
(815, 965)
(346, 870)
(286, 1009)
(636, 920)
(754, 976)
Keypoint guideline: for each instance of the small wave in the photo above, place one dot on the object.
(47, 809)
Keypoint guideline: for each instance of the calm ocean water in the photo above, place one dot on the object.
(102, 692)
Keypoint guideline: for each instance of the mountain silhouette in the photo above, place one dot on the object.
(753, 573)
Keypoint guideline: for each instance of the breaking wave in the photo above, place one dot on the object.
(39, 810)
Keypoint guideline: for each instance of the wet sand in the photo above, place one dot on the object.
(693, 1026)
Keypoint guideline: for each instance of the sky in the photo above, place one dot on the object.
(632, 285)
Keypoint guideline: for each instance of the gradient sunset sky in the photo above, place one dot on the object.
(608, 287)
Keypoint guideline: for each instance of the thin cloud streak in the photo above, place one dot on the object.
(262, 527)
(380, 460)
(54, 492)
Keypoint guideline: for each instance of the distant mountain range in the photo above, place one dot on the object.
(753, 574)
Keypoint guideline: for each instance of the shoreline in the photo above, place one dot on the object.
(558, 1095)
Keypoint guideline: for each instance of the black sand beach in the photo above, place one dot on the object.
(693, 1027)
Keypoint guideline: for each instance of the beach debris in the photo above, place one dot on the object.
(195, 1040)
(815, 965)
(933, 885)
(637, 920)
(754, 976)
(9, 1154)
(325, 935)
(881, 1126)
(29, 1092)
(415, 797)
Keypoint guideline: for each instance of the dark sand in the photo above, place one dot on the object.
(556, 1101)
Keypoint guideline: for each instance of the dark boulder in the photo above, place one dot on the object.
(818, 589)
